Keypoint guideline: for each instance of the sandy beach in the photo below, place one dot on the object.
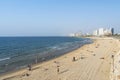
(90, 62)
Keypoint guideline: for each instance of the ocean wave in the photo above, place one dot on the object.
(19, 55)
(3, 59)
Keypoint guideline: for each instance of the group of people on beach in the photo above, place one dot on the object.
(58, 67)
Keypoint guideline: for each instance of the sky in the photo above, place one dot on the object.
(57, 17)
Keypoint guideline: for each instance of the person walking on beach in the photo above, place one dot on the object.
(73, 58)
(58, 70)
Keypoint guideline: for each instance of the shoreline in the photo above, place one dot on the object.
(40, 58)
(46, 60)
(83, 55)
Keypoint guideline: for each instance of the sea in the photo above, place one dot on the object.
(18, 52)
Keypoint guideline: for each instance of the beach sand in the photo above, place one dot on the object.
(92, 62)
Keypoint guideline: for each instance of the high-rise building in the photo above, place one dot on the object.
(112, 31)
(103, 32)
(95, 33)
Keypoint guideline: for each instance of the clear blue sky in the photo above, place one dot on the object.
(57, 17)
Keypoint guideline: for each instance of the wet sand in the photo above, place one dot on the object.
(90, 62)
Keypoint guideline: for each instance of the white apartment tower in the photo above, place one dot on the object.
(95, 33)
(101, 32)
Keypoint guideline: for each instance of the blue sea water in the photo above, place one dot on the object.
(18, 52)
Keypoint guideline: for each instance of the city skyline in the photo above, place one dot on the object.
(57, 17)
(97, 32)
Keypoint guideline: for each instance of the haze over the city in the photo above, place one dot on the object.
(57, 17)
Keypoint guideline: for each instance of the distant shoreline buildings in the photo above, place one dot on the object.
(103, 32)
(98, 32)
(77, 34)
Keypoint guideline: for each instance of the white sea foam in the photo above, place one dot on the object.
(4, 59)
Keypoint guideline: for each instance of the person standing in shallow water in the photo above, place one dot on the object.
(29, 67)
